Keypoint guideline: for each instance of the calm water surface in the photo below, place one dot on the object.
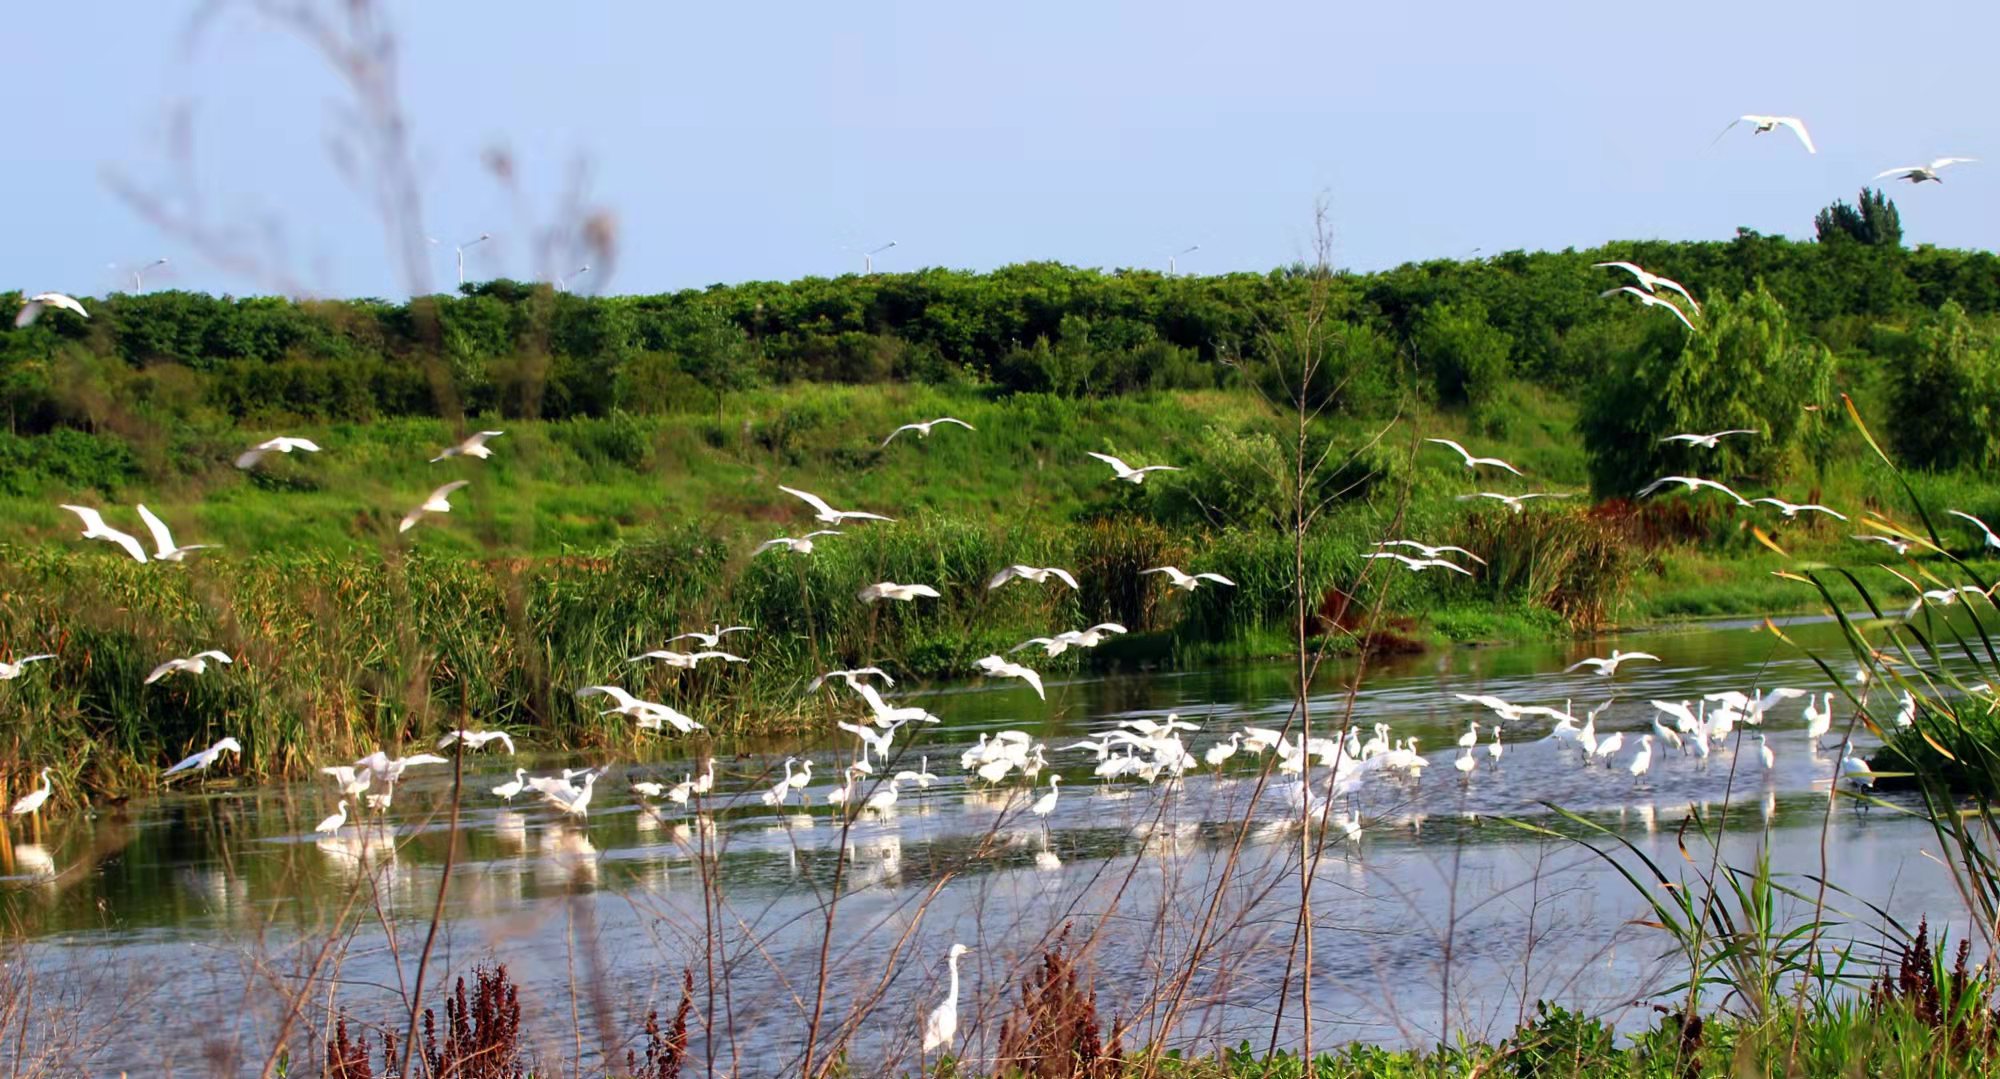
(180, 924)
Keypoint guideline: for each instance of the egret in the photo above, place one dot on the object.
(477, 739)
(1187, 582)
(95, 528)
(889, 715)
(1649, 300)
(1471, 736)
(349, 779)
(1513, 502)
(474, 446)
(680, 792)
(1653, 282)
(11, 671)
(1039, 575)
(705, 782)
(1609, 745)
(1793, 509)
(794, 544)
(1991, 539)
(392, 770)
(575, 804)
(32, 801)
(802, 777)
(824, 512)
(194, 664)
(839, 796)
(995, 667)
(1900, 546)
(1642, 761)
(32, 307)
(941, 1025)
(1074, 638)
(782, 789)
(1762, 124)
(1428, 551)
(1608, 666)
(711, 639)
(904, 593)
(1765, 753)
(850, 676)
(281, 444)
(438, 502)
(1692, 483)
(1418, 565)
(1126, 472)
(332, 825)
(1917, 174)
(1508, 711)
(650, 714)
(512, 787)
(1472, 462)
(1667, 735)
(199, 762)
(1046, 804)
(648, 789)
(166, 550)
(1856, 771)
(883, 800)
(1222, 751)
(1496, 748)
(922, 777)
(1819, 719)
(923, 429)
(685, 661)
(1711, 441)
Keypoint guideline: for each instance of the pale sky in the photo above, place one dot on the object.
(772, 141)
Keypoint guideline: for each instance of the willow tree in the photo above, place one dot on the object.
(1744, 366)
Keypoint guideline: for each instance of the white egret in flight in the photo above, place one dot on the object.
(165, 549)
(995, 667)
(685, 661)
(906, 593)
(199, 762)
(1770, 123)
(1917, 174)
(1991, 539)
(438, 502)
(95, 528)
(1472, 462)
(1429, 551)
(1711, 441)
(32, 307)
(1127, 472)
(1692, 483)
(923, 429)
(824, 512)
(1651, 282)
(1513, 502)
(1608, 665)
(1418, 565)
(1039, 575)
(850, 675)
(194, 664)
(477, 739)
(473, 446)
(11, 671)
(1649, 300)
(282, 444)
(708, 640)
(1900, 546)
(1187, 582)
(794, 544)
(1793, 509)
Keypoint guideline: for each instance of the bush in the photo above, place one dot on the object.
(1464, 355)
(1947, 394)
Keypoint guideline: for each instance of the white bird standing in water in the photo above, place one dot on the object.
(1819, 719)
(200, 761)
(1046, 804)
(941, 1025)
(782, 789)
(473, 446)
(33, 800)
(95, 528)
(512, 787)
(438, 502)
(1127, 472)
(11, 671)
(923, 429)
(1856, 771)
(1222, 751)
(882, 800)
(1642, 761)
(281, 444)
(333, 824)
(1765, 753)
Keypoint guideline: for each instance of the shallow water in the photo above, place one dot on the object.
(176, 925)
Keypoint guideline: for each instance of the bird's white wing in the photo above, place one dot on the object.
(810, 499)
(1006, 575)
(1114, 462)
(1462, 452)
(1974, 520)
(1160, 569)
(164, 669)
(437, 502)
(214, 654)
(1900, 170)
(1943, 161)
(921, 590)
(1675, 286)
(1798, 127)
(162, 539)
(967, 426)
(1628, 267)
(1217, 578)
(57, 299)
(249, 458)
(92, 520)
(898, 431)
(1063, 575)
(624, 699)
(1726, 128)
(480, 438)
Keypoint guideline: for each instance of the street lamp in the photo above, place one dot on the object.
(138, 275)
(1178, 254)
(562, 284)
(483, 237)
(868, 257)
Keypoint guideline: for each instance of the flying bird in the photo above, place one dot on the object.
(923, 429)
(995, 667)
(1652, 282)
(32, 307)
(1187, 582)
(1031, 573)
(891, 590)
(95, 528)
(1127, 472)
(685, 661)
(194, 664)
(282, 444)
(1793, 509)
(1769, 123)
(199, 762)
(1429, 551)
(1513, 502)
(166, 550)
(1709, 442)
(1899, 546)
(851, 675)
(710, 639)
(1472, 462)
(1991, 539)
(1418, 565)
(650, 714)
(473, 446)
(477, 739)
(1693, 483)
(11, 671)
(438, 502)
(1608, 665)
(824, 512)
(1917, 174)
(794, 544)
(1649, 300)
(1075, 638)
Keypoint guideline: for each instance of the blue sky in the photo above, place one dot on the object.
(737, 142)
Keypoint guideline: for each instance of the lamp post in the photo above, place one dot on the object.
(1171, 258)
(483, 237)
(868, 257)
(138, 275)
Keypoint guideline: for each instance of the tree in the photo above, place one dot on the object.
(1947, 394)
(1742, 367)
(1462, 352)
(1875, 223)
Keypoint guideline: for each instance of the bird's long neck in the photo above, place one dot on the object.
(951, 962)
